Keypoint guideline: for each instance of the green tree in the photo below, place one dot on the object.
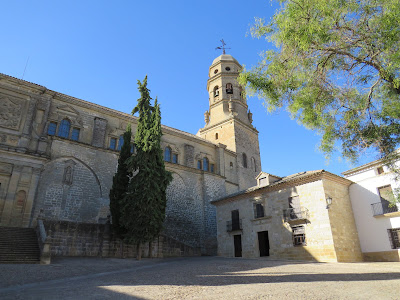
(335, 68)
(144, 206)
(120, 184)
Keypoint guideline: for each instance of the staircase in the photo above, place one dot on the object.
(18, 246)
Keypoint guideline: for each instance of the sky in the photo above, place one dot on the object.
(97, 50)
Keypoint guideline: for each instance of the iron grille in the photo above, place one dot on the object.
(381, 208)
(234, 225)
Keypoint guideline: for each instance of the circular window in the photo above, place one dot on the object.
(227, 68)
(216, 71)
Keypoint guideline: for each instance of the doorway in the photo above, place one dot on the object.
(237, 242)
(263, 243)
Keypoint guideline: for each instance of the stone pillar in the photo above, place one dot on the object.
(189, 155)
(221, 159)
(31, 197)
(12, 189)
(105, 251)
(99, 132)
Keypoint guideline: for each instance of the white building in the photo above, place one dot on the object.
(378, 223)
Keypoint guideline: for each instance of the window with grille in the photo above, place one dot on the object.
(52, 128)
(212, 168)
(167, 154)
(258, 210)
(63, 130)
(120, 142)
(394, 237)
(199, 164)
(113, 143)
(299, 236)
(75, 134)
(205, 164)
(175, 158)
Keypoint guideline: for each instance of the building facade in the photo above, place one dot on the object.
(378, 222)
(305, 216)
(58, 155)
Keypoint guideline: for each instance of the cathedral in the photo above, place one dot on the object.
(58, 155)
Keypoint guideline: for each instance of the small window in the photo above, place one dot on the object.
(216, 92)
(167, 154)
(175, 158)
(227, 69)
(132, 148)
(253, 164)
(380, 170)
(199, 164)
(52, 128)
(229, 88)
(231, 165)
(258, 210)
(394, 237)
(299, 236)
(216, 136)
(113, 143)
(244, 158)
(75, 134)
(205, 164)
(120, 142)
(63, 130)
(215, 71)
(212, 168)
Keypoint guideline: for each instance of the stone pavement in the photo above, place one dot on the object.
(199, 278)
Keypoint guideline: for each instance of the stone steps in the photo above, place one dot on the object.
(19, 245)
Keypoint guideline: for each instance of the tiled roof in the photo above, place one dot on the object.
(288, 179)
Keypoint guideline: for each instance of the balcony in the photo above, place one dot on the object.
(381, 208)
(296, 215)
(234, 225)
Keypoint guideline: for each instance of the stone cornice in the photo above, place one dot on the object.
(43, 91)
(276, 186)
(232, 118)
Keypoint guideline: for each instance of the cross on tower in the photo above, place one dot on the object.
(222, 47)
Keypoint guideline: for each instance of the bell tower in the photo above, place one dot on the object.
(228, 120)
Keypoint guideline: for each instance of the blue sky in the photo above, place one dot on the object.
(97, 50)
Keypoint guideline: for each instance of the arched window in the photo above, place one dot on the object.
(167, 154)
(244, 156)
(216, 92)
(120, 142)
(229, 88)
(63, 130)
(205, 164)
(253, 164)
(216, 136)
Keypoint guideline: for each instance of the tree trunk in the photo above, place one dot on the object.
(139, 252)
(150, 254)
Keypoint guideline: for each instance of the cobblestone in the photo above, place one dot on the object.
(199, 278)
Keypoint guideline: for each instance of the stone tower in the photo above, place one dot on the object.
(228, 120)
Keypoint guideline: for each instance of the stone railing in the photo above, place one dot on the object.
(44, 241)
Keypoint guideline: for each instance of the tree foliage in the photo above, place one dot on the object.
(120, 183)
(144, 206)
(336, 70)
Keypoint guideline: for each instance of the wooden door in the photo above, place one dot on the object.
(263, 243)
(237, 241)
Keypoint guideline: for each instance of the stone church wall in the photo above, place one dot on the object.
(70, 180)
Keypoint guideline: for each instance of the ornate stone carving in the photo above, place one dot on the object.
(10, 113)
(206, 117)
(250, 116)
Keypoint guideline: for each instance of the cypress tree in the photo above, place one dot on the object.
(143, 212)
(120, 184)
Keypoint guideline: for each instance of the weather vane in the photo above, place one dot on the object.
(222, 47)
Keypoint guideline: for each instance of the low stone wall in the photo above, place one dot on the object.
(393, 255)
(87, 239)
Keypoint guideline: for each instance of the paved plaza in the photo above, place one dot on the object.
(199, 278)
